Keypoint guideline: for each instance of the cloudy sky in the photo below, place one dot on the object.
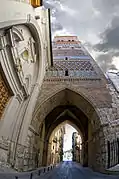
(95, 22)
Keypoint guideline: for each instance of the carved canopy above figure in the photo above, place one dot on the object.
(23, 51)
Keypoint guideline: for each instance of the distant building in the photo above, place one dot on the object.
(67, 155)
(75, 147)
(56, 145)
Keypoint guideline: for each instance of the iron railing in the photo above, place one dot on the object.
(113, 153)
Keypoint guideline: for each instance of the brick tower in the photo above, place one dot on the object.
(75, 89)
(70, 59)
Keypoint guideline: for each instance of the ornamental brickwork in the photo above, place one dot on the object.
(70, 59)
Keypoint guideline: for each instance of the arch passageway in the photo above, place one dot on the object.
(65, 143)
(74, 107)
(75, 117)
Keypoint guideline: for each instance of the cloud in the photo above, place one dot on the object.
(107, 7)
(48, 5)
(55, 7)
(110, 37)
(94, 21)
(83, 17)
(56, 26)
(73, 16)
(105, 62)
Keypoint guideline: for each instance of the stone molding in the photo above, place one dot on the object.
(56, 79)
(4, 143)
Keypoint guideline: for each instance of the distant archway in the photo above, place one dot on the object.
(60, 132)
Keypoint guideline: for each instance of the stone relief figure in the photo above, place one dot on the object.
(31, 44)
(18, 65)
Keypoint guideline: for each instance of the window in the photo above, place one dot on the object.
(66, 73)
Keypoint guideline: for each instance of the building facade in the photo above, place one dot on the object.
(24, 55)
(55, 153)
(71, 59)
(67, 155)
(76, 147)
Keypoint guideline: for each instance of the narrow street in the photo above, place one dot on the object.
(71, 170)
(59, 89)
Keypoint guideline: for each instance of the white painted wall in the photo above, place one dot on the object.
(18, 114)
(11, 11)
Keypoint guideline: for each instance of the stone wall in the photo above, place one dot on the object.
(103, 115)
(99, 136)
(103, 121)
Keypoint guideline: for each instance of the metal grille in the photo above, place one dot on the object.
(113, 153)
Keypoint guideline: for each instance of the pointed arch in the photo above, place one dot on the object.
(17, 34)
(82, 112)
(52, 92)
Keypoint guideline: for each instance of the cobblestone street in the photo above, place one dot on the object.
(71, 170)
(65, 170)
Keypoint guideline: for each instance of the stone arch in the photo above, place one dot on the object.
(59, 126)
(71, 116)
(17, 35)
(50, 93)
(73, 125)
(80, 104)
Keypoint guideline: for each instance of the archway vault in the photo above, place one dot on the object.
(66, 104)
(65, 113)
(50, 93)
(63, 96)
(70, 123)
